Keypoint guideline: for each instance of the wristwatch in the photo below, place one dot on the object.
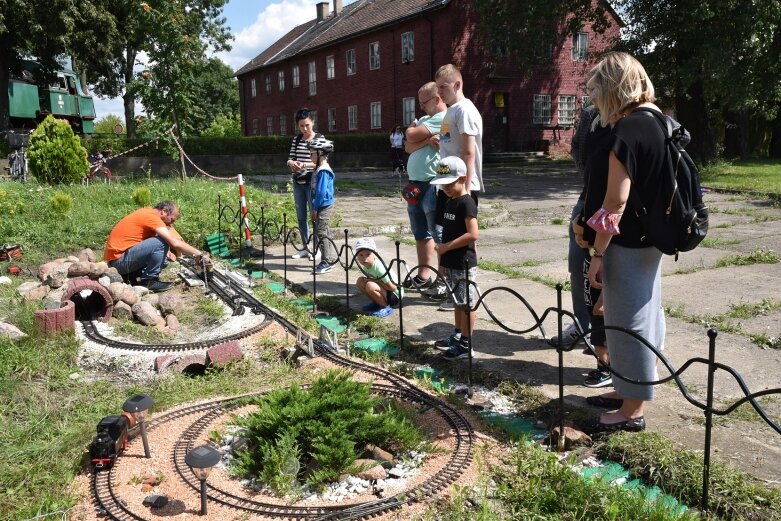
(595, 252)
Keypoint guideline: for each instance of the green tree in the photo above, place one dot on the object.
(218, 93)
(106, 124)
(56, 154)
(224, 126)
(46, 30)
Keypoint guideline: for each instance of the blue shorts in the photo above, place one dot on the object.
(422, 216)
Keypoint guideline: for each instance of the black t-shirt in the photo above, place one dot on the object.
(596, 153)
(456, 212)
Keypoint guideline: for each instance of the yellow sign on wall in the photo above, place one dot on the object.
(499, 100)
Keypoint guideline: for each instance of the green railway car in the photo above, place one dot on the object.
(30, 103)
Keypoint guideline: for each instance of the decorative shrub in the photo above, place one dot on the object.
(56, 155)
(142, 196)
(61, 203)
(325, 428)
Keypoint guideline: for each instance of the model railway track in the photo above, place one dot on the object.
(206, 413)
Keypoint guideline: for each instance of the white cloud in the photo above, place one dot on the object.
(269, 26)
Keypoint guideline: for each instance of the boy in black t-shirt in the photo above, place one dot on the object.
(457, 254)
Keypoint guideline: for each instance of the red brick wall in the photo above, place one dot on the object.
(446, 35)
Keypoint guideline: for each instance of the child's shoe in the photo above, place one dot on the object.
(371, 307)
(383, 312)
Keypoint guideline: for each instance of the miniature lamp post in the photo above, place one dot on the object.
(201, 460)
(139, 406)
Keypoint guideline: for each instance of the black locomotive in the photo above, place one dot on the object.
(110, 441)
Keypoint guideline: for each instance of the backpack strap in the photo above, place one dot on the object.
(667, 129)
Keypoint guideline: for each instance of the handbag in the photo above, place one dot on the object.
(413, 191)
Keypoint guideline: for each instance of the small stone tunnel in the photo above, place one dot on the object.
(92, 301)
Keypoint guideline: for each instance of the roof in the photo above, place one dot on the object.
(354, 19)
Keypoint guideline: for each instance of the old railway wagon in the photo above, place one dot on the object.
(30, 102)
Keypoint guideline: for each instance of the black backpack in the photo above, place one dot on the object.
(677, 220)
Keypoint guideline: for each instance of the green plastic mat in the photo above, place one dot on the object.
(330, 323)
(611, 472)
(440, 383)
(302, 303)
(377, 345)
(276, 287)
(513, 425)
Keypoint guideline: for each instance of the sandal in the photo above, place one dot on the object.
(607, 403)
(630, 425)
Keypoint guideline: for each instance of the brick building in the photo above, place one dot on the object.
(359, 68)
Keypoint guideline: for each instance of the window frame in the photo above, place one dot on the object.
(253, 88)
(332, 119)
(408, 106)
(375, 116)
(282, 124)
(330, 67)
(270, 125)
(580, 48)
(281, 81)
(255, 126)
(572, 101)
(296, 73)
(374, 56)
(268, 83)
(312, 75)
(543, 103)
(352, 117)
(351, 64)
(408, 47)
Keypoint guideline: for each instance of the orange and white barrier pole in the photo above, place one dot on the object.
(247, 236)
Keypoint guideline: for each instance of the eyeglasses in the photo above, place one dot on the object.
(423, 103)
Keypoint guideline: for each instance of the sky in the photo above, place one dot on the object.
(255, 24)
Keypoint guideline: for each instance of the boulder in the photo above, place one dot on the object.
(104, 281)
(53, 298)
(115, 289)
(5, 281)
(97, 269)
(114, 275)
(86, 255)
(170, 304)
(79, 269)
(58, 276)
(122, 311)
(172, 323)
(373, 472)
(128, 296)
(140, 290)
(146, 313)
(72, 259)
(152, 298)
(221, 354)
(37, 294)
(44, 269)
(572, 438)
(379, 454)
(10, 331)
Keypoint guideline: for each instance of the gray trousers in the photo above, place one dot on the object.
(632, 292)
(324, 235)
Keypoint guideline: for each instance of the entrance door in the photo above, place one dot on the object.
(499, 140)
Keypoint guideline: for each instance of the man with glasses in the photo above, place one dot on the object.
(421, 169)
(143, 242)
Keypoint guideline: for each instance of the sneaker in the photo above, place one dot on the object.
(155, 285)
(315, 258)
(598, 379)
(455, 352)
(300, 254)
(371, 307)
(447, 305)
(323, 267)
(418, 283)
(444, 344)
(568, 336)
(438, 291)
(383, 312)
(131, 278)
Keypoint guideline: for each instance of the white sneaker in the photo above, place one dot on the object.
(316, 258)
(300, 254)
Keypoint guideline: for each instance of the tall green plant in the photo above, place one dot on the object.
(56, 155)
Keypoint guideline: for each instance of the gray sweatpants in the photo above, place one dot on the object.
(323, 229)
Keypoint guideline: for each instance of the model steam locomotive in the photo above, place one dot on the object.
(110, 441)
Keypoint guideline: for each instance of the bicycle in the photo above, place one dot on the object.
(97, 167)
(18, 166)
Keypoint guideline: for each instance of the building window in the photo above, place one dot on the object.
(270, 125)
(567, 110)
(407, 47)
(375, 109)
(350, 58)
(330, 71)
(313, 117)
(332, 120)
(585, 101)
(352, 117)
(281, 78)
(268, 84)
(542, 109)
(282, 125)
(374, 56)
(408, 110)
(255, 126)
(312, 79)
(253, 87)
(580, 47)
(296, 77)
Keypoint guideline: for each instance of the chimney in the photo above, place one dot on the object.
(322, 11)
(337, 6)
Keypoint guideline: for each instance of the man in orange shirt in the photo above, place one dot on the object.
(143, 242)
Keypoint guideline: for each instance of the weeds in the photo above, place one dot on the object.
(757, 256)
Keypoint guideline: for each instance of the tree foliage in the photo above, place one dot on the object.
(56, 154)
(106, 124)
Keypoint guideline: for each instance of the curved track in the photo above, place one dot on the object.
(206, 413)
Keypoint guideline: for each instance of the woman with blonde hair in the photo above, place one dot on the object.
(623, 264)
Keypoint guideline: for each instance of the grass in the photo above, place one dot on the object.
(757, 256)
(760, 175)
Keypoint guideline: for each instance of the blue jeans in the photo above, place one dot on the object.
(576, 258)
(148, 257)
(302, 195)
(422, 217)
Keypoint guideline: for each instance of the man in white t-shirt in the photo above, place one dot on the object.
(462, 129)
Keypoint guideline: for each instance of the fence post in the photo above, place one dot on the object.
(401, 304)
(284, 252)
(561, 444)
(219, 215)
(347, 279)
(468, 328)
(263, 238)
(314, 271)
(712, 333)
